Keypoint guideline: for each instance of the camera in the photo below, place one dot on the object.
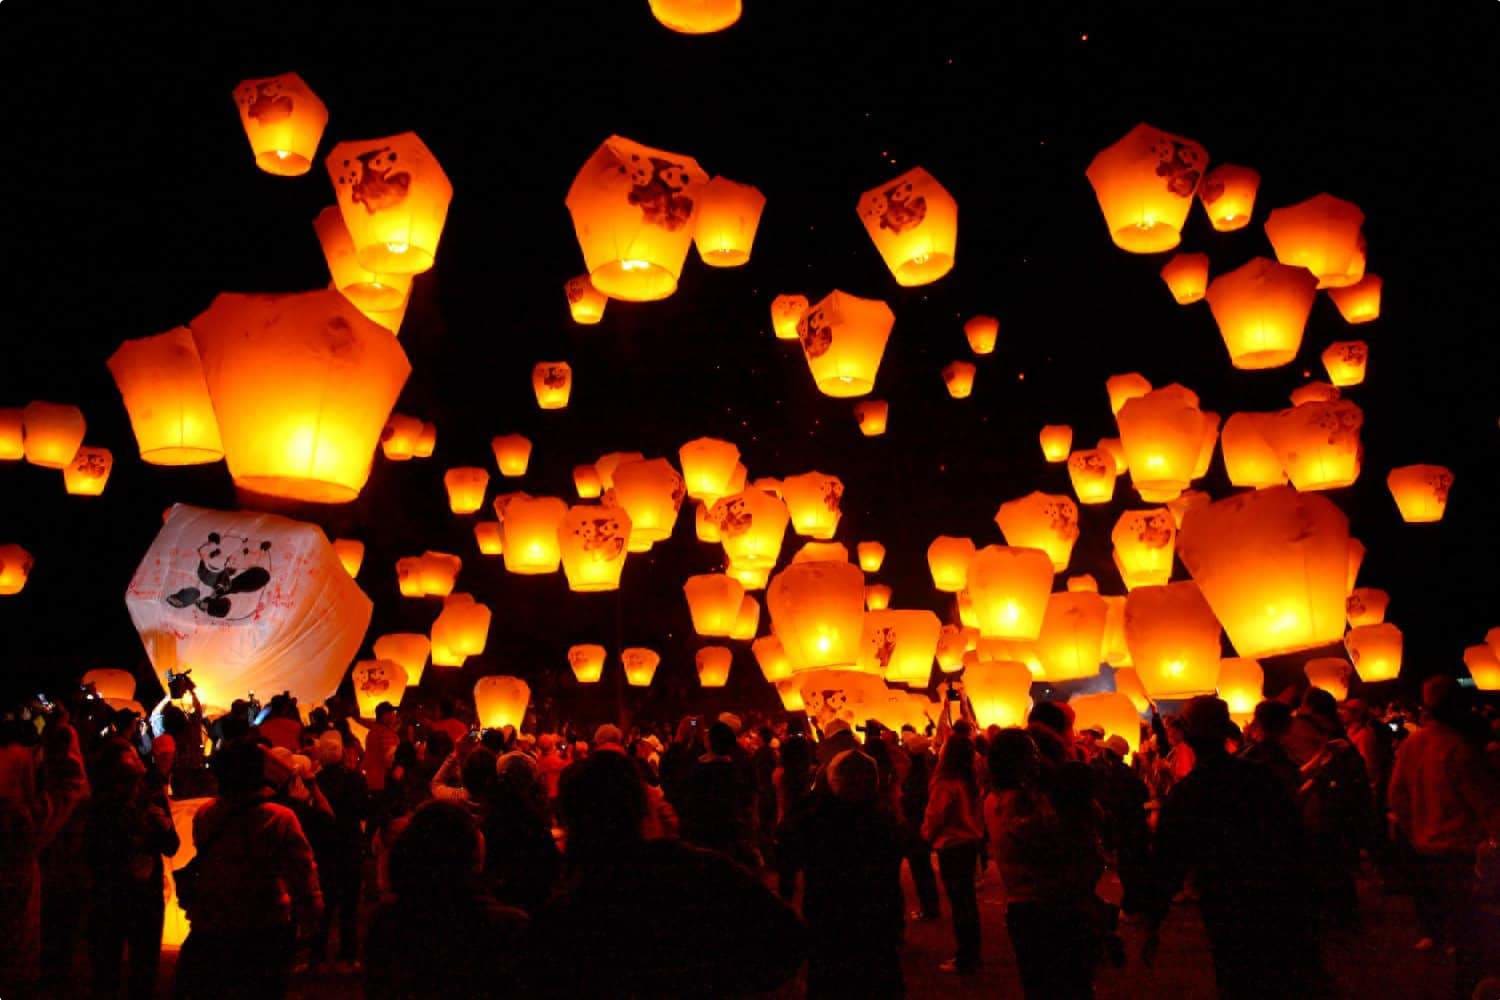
(179, 684)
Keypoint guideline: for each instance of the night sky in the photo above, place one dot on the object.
(132, 200)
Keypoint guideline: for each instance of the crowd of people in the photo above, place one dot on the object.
(433, 858)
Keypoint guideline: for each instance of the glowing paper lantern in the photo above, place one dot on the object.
(696, 17)
(115, 686)
(607, 464)
(1420, 491)
(1116, 652)
(1228, 196)
(1174, 640)
(437, 572)
(585, 302)
(1162, 433)
(1056, 439)
(853, 696)
(283, 119)
(913, 222)
(899, 645)
(1345, 361)
(1108, 710)
(1484, 667)
(1249, 459)
(958, 376)
(1318, 443)
(460, 631)
(1071, 643)
(1261, 309)
(1273, 565)
(13, 431)
(1186, 275)
(466, 486)
(593, 542)
(388, 319)
(821, 552)
(1186, 501)
(351, 553)
(1123, 388)
(1331, 674)
(1366, 606)
(529, 532)
(587, 661)
(1144, 542)
(948, 558)
(651, 492)
(982, 332)
(786, 310)
(963, 603)
(1375, 651)
(53, 433)
(1314, 392)
(1043, 521)
(586, 482)
(728, 215)
(512, 454)
(843, 338)
(161, 380)
(751, 527)
(501, 701)
(704, 525)
(714, 600)
(409, 649)
(871, 556)
(87, 473)
(394, 198)
(639, 664)
(772, 658)
(713, 663)
(1241, 685)
(813, 500)
(489, 538)
(817, 609)
(952, 644)
(872, 415)
(1082, 583)
(398, 439)
(1359, 302)
(1323, 234)
(1128, 683)
(634, 211)
(791, 696)
(877, 597)
(1116, 452)
(366, 289)
(302, 386)
(708, 465)
(552, 381)
(747, 622)
(377, 681)
(1008, 587)
(1145, 184)
(1492, 639)
(1093, 475)
(999, 693)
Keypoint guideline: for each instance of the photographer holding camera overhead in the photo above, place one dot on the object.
(177, 751)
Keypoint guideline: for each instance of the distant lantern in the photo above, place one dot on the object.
(1116, 452)
(529, 532)
(1093, 474)
(161, 381)
(714, 600)
(1174, 640)
(13, 433)
(408, 575)
(1345, 361)
(999, 693)
(728, 215)
(772, 658)
(899, 645)
(639, 664)
(1116, 652)
(634, 209)
(1318, 443)
(489, 537)
(1008, 587)
(586, 482)
(1242, 686)
(1071, 643)
(871, 415)
(814, 501)
(377, 681)
(1128, 683)
(1228, 196)
(512, 454)
(1145, 184)
(1186, 501)
(713, 663)
(1356, 557)
(790, 693)
(394, 198)
(436, 573)
(1366, 606)
(501, 701)
(1484, 667)
(766, 484)
(948, 558)
(283, 119)
(1315, 392)
(1323, 234)
(708, 465)
(585, 302)
(952, 644)
(913, 222)
(607, 464)
(365, 288)
(1359, 302)
(587, 661)
(1043, 521)
(982, 332)
(1420, 491)
(822, 552)
(1123, 388)
(552, 381)
(1186, 275)
(958, 376)
(877, 597)
(817, 610)
(460, 631)
(1331, 674)
(1375, 651)
(1108, 710)
(15, 568)
(115, 686)
(704, 526)
(1209, 438)
(747, 622)
(389, 320)
(751, 527)
(1144, 542)
(1057, 440)
(87, 473)
(593, 542)
(351, 553)
(871, 556)
(53, 433)
(786, 310)
(302, 386)
(964, 606)
(1261, 309)
(1082, 583)
(466, 485)
(696, 17)
(1273, 566)
(843, 338)
(737, 479)
(651, 492)
(1162, 433)
(398, 438)
(1249, 459)
(409, 649)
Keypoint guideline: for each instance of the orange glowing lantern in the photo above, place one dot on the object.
(728, 215)
(377, 681)
(1322, 234)
(999, 693)
(713, 663)
(1356, 557)
(1228, 196)
(1145, 184)
(747, 622)
(161, 381)
(53, 433)
(1261, 309)
(639, 664)
(1128, 683)
(1071, 643)
(877, 597)
(1093, 474)
(1484, 667)
(409, 576)
(512, 454)
(586, 482)
(817, 611)
(409, 650)
(1186, 275)
(460, 631)
(283, 119)
(948, 558)
(1116, 452)
(708, 465)
(871, 415)
(587, 661)
(871, 556)
(1359, 302)
(398, 439)
(1173, 638)
(982, 332)
(529, 532)
(953, 643)
(87, 473)
(607, 464)
(585, 302)
(1249, 459)
(1108, 710)
(1345, 361)
(913, 222)
(426, 441)
(552, 381)
(1366, 606)
(1116, 652)
(394, 198)
(958, 376)
(786, 311)
(115, 686)
(714, 600)
(1144, 542)
(1009, 587)
(1375, 651)
(1492, 639)
(821, 552)
(466, 486)
(489, 537)
(1206, 444)
(813, 500)
(1318, 443)
(1420, 491)
(1082, 583)
(369, 291)
(963, 603)
(13, 427)
(501, 701)
(790, 692)
(1041, 521)
(651, 492)
(1188, 500)
(706, 528)
(772, 658)
(751, 527)
(1315, 392)
(351, 553)
(899, 645)
(1242, 686)
(1162, 433)
(696, 17)
(1056, 440)
(1331, 674)
(592, 541)
(766, 484)
(843, 338)
(1123, 388)
(389, 320)
(436, 573)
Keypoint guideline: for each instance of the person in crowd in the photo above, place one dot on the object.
(65, 869)
(1267, 745)
(1122, 796)
(1334, 798)
(661, 820)
(1376, 745)
(341, 865)
(717, 800)
(915, 790)
(380, 752)
(952, 825)
(678, 759)
(282, 726)
(838, 736)
(763, 771)
(448, 723)
(549, 766)
(468, 780)
(793, 779)
(521, 858)
(1052, 731)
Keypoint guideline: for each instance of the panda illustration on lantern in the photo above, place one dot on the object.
(233, 571)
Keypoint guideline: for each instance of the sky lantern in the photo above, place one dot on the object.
(351, 553)
(586, 482)
(283, 119)
(1261, 308)
(1356, 557)
(814, 500)
(1186, 275)
(1116, 652)
(437, 572)
(651, 492)
(786, 310)
(751, 527)
(489, 538)
(1420, 491)
(592, 541)
(871, 414)
(1082, 583)
(737, 479)
(1492, 639)
(843, 338)
(1162, 433)
(302, 386)
(585, 302)
(951, 647)
(512, 454)
(1057, 440)
(53, 433)
(817, 610)
(913, 222)
(587, 661)
(1242, 686)
(409, 650)
(1071, 642)
(871, 556)
(1345, 361)
(704, 526)
(1093, 474)
(389, 320)
(608, 463)
(1128, 683)
(1187, 500)
(501, 701)
(1249, 459)
(1210, 437)
(87, 473)
(963, 603)
(708, 464)
(1366, 606)
(366, 289)
(15, 568)
(1144, 542)
(377, 681)
(982, 332)
(1484, 667)
(1323, 234)
(461, 630)
(958, 376)
(1145, 184)
(115, 686)
(161, 380)
(1273, 565)
(948, 558)
(1228, 196)
(1375, 651)
(1008, 587)
(1331, 674)
(408, 576)
(900, 645)
(394, 197)
(1314, 392)
(1043, 521)
(1116, 451)
(529, 531)
(714, 600)
(466, 485)
(713, 663)
(1174, 640)
(398, 438)
(1318, 443)
(728, 215)
(696, 17)
(822, 552)
(634, 209)
(639, 664)
(766, 484)
(1123, 388)
(1359, 302)
(772, 658)
(790, 693)
(552, 381)
(13, 430)
(999, 693)
(747, 622)
(877, 597)
(1108, 710)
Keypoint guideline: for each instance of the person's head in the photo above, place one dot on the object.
(1204, 722)
(478, 772)
(546, 744)
(1444, 700)
(328, 750)
(1308, 735)
(963, 727)
(1013, 760)
(609, 735)
(1322, 704)
(1050, 715)
(854, 777)
(1272, 720)
(601, 802)
(386, 715)
(284, 706)
(1116, 747)
(439, 852)
(173, 720)
(721, 739)
(957, 759)
(732, 721)
(797, 755)
(241, 769)
(687, 730)
(1353, 713)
